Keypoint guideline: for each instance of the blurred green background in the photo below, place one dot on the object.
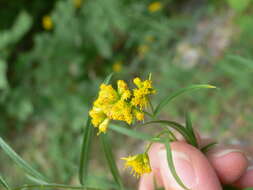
(55, 53)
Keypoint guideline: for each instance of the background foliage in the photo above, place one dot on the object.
(49, 73)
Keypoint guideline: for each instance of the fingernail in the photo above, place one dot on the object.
(225, 152)
(183, 166)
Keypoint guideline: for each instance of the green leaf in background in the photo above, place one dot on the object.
(85, 151)
(239, 5)
(19, 161)
(20, 27)
(110, 160)
(172, 166)
(166, 100)
(4, 183)
(190, 131)
(3, 79)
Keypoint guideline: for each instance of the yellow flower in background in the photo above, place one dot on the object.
(149, 38)
(77, 3)
(140, 94)
(117, 66)
(139, 164)
(142, 50)
(155, 6)
(47, 23)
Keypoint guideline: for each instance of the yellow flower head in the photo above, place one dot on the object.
(47, 23)
(99, 119)
(140, 94)
(117, 66)
(139, 164)
(154, 7)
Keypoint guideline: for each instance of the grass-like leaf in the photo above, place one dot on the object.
(166, 100)
(188, 125)
(206, 148)
(19, 161)
(4, 183)
(108, 78)
(85, 151)
(134, 134)
(172, 166)
(110, 160)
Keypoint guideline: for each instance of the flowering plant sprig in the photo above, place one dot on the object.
(132, 106)
(134, 109)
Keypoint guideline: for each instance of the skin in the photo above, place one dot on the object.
(221, 165)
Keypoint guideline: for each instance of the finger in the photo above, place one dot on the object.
(246, 180)
(192, 167)
(229, 163)
(154, 162)
(147, 182)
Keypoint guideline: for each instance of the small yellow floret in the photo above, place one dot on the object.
(139, 115)
(97, 116)
(123, 90)
(139, 164)
(102, 128)
(140, 94)
(47, 23)
(155, 6)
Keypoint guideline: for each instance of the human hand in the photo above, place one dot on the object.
(221, 165)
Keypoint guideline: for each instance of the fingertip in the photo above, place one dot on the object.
(246, 180)
(229, 163)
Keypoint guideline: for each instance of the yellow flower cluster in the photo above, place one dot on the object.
(139, 164)
(121, 104)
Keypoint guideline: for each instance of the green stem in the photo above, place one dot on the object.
(171, 138)
(173, 125)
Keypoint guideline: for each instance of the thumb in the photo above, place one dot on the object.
(192, 167)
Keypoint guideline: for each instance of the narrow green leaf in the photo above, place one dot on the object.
(173, 125)
(110, 160)
(19, 161)
(85, 151)
(133, 134)
(108, 78)
(172, 166)
(206, 148)
(4, 183)
(188, 124)
(35, 180)
(166, 100)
